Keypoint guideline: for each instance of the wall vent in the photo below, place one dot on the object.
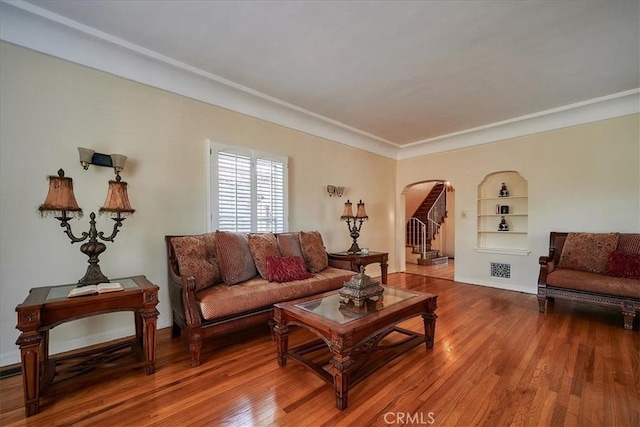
(501, 270)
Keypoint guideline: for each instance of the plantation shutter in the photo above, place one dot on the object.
(249, 190)
(270, 196)
(234, 192)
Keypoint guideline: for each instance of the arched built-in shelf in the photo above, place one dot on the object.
(514, 208)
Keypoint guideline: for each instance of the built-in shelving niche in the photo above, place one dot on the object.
(494, 205)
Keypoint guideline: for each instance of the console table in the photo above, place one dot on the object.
(47, 307)
(353, 262)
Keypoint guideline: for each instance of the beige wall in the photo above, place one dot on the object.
(581, 178)
(49, 107)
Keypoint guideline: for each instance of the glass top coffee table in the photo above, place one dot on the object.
(354, 341)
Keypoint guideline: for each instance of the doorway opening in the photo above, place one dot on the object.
(429, 229)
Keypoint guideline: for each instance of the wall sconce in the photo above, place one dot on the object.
(358, 219)
(62, 202)
(335, 191)
(90, 157)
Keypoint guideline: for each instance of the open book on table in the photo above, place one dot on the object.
(100, 288)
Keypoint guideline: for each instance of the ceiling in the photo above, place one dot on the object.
(402, 72)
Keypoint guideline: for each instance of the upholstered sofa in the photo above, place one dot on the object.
(223, 281)
(597, 268)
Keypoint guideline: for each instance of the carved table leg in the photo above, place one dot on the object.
(340, 365)
(150, 318)
(629, 313)
(429, 328)
(281, 332)
(383, 271)
(31, 359)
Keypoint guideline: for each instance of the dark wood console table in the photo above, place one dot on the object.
(353, 262)
(47, 307)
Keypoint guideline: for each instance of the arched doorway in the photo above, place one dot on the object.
(430, 227)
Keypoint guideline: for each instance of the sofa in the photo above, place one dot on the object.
(596, 268)
(223, 281)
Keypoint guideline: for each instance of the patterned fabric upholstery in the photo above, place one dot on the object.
(286, 269)
(590, 282)
(197, 257)
(624, 264)
(234, 257)
(289, 244)
(221, 301)
(629, 242)
(588, 251)
(313, 251)
(263, 246)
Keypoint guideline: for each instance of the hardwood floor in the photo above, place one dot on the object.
(441, 271)
(496, 361)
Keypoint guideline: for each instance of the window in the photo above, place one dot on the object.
(248, 190)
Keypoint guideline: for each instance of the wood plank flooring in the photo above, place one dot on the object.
(441, 271)
(496, 362)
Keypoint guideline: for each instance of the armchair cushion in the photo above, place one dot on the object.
(588, 251)
(623, 264)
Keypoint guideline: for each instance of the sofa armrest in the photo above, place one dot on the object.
(191, 311)
(547, 265)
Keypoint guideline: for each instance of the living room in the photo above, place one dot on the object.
(581, 165)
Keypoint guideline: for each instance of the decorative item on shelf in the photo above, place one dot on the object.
(61, 203)
(503, 190)
(503, 226)
(504, 210)
(359, 289)
(358, 219)
(335, 191)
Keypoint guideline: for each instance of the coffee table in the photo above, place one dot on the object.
(354, 336)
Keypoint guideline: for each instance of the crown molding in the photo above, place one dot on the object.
(603, 108)
(32, 27)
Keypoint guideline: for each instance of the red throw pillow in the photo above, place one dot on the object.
(623, 264)
(286, 269)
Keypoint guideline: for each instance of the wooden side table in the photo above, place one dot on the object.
(47, 307)
(354, 261)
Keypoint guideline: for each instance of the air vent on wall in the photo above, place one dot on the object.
(501, 270)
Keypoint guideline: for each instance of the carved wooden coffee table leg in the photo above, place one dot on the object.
(341, 365)
(281, 333)
(429, 328)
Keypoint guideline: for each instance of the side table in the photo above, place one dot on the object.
(47, 307)
(353, 262)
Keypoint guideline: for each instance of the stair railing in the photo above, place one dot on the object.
(417, 235)
(435, 215)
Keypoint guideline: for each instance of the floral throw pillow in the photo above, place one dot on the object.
(588, 251)
(313, 251)
(195, 258)
(263, 246)
(286, 269)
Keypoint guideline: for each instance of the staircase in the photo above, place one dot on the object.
(425, 224)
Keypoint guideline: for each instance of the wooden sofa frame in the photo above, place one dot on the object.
(186, 314)
(628, 305)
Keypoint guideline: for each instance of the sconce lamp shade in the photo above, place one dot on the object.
(118, 161)
(86, 154)
(60, 197)
(348, 211)
(361, 213)
(117, 200)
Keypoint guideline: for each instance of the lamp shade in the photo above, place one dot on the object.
(361, 213)
(117, 200)
(348, 211)
(60, 197)
(118, 161)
